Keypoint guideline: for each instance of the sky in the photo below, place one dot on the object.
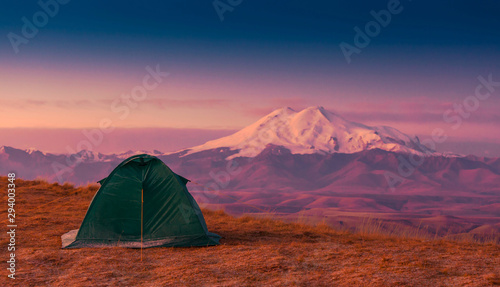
(213, 67)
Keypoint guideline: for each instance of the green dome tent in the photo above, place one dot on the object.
(142, 204)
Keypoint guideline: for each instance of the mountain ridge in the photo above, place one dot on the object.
(342, 187)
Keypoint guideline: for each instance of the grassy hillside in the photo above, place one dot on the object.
(254, 252)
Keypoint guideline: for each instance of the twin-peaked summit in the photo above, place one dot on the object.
(313, 130)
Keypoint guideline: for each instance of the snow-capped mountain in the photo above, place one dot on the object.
(313, 130)
(130, 153)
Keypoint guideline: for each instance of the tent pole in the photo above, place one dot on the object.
(142, 212)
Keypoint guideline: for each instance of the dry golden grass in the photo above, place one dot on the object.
(377, 227)
(254, 252)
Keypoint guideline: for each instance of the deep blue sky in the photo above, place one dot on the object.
(461, 37)
(309, 29)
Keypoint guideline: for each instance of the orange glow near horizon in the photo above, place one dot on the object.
(34, 97)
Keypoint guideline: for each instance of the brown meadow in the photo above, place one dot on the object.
(253, 252)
